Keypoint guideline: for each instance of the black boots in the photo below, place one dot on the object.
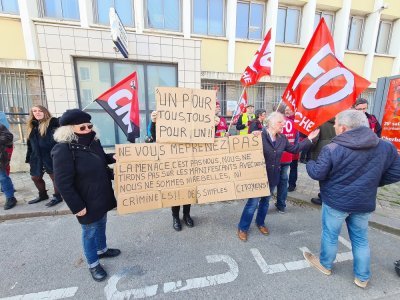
(98, 273)
(54, 200)
(42, 196)
(188, 220)
(110, 253)
(176, 223)
(10, 203)
(316, 201)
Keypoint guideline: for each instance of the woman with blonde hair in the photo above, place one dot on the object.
(41, 127)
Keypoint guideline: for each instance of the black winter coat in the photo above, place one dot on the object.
(6, 141)
(39, 148)
(273, 153)
(83, 179)
(326, 134)
(351, 168)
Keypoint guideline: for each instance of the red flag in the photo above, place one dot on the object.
(241, 108)
(121, 103)
(260, 65)
(321, 85)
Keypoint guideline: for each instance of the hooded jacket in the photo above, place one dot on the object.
(351, 168)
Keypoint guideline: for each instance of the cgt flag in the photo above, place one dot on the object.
(121, 103)
(240, 108)
(261, 64)
(321, 85)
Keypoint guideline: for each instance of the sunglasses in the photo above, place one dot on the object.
(83, 127)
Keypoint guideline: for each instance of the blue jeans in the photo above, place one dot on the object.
(250, 208)
(94, 240)
(357, 226)
(293, 173)
(281, 194)
(6, 184)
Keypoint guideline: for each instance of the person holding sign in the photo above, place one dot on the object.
(274, 143)
(176, 222)
(84, 180)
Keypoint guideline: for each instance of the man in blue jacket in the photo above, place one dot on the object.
(349, 170)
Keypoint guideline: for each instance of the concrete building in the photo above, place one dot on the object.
(60, 52)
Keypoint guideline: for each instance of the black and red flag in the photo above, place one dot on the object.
(121, 103)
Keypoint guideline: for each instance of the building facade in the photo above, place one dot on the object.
(59, 53)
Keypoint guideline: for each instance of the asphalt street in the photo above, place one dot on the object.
(41, 258)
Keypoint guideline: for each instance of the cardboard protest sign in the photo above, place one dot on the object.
(185, 115)
(164, 175)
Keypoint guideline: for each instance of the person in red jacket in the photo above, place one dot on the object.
(221, 127)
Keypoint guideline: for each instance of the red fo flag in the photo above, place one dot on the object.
(321, 86)
(241, 108)
(260, 65)
(121, 103)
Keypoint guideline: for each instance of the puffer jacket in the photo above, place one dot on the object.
(351, 168)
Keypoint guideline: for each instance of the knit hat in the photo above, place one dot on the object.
(74, 117)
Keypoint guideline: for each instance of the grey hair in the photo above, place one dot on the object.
(273, 116)
(65, 134)
(352, 119)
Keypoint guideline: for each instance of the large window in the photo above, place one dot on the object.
(164, 14)
(94, 77)
(61, 9)
(288, 26)
(328, 16)
(208, 17)
(249, 20)
(9, 6)
(384, 35)
(356, 27)
(124, 8)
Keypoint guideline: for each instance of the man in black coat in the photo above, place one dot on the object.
(6, 141)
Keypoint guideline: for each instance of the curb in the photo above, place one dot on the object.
(35, 214)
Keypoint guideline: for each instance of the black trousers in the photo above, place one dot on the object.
(175, 210)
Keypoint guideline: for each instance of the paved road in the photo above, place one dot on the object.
(42, 257)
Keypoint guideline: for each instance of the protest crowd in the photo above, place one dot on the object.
(347, 155)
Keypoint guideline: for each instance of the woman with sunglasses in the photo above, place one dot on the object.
(83, 178)
(41, 127)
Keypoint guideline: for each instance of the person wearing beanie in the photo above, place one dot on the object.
(41, 127)
(84, 180)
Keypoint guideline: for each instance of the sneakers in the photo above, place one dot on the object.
(10, 203)
(280, 210)
(242, 235)
(314, 262)
(98, 273)
(264, 230)
(359, 283)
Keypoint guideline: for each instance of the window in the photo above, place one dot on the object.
(384, 35)
(84, 73)
(328, 16)
(61, 9)
(124, 9)
(164, 14)
(106, 73)
(9, 6)
(249, 20)
(355, 33)
(208, 17)
(287, 30)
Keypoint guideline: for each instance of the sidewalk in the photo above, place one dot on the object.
(386, 217)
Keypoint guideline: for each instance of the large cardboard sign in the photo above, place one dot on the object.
(150, 176)
(185, 115)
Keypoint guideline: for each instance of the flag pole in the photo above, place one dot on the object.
(279, 104)
(237, 106)
(88, 105)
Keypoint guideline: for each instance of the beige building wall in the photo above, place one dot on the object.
(286, 60)
(393, 11)
(362, 5)
(59, 45)
(330, 4)
(214, 55)
(355, 62)
(244, 53)
(12, 40)
(382, 67)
